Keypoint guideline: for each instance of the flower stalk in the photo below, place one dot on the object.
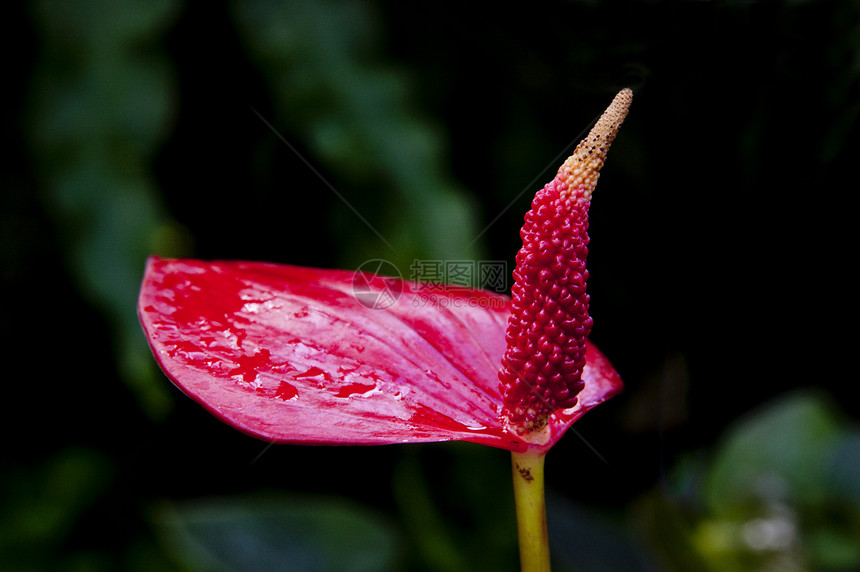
(531, 510)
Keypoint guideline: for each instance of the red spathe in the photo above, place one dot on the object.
(293, 355)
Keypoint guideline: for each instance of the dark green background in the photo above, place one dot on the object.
(721, 260)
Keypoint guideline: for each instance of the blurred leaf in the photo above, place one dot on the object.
(39, 509)
(456, 502)
(334, 92)
(844, 468)
(780, 451)
(783, 489)
(277, 533)
(427, 526)
(101, 98)
(834, 548)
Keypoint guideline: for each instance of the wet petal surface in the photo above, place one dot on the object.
(302, 355)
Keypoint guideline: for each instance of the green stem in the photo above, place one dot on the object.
(531, 511)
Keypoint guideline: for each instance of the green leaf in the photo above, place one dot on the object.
(782, 450)
(277, 533)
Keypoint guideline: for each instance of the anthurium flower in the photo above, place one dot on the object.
(297, 355)
(303, 355)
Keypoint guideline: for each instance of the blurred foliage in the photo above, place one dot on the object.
(42, 507)
(331, 88)
(583, 540)
(301, 132)
(448, 496)
(277, 533)
(101, 99)
(779, 493)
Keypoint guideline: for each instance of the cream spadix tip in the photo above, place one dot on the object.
(581, 170)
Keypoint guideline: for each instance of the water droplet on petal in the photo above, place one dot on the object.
(286, 391)
(355, 389)
(247, 366)
(315, 373)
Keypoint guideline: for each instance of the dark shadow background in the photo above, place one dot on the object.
(721, 231)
